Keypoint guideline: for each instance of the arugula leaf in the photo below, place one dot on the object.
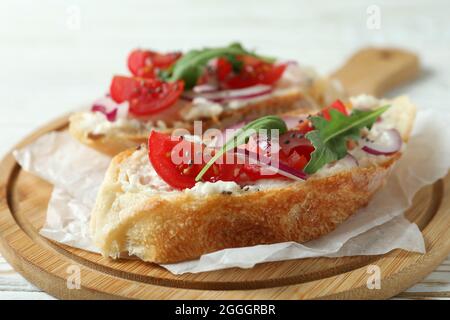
(242, 136)
(253, 53)
(236, 65)
(330, 137)
(190, 66)
(164, 74)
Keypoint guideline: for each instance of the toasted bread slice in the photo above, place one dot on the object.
(120, 138)
(138, 214)
(113, 138)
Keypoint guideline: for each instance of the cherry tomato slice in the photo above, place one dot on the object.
(296, 160)
(145, 63)
(254, 71)
(251, 173)
(304, 127)
(123, 88)
(337, 105)
(223, 69)
(146, 96)
(164, 61)
(160, 146)
(294, 141)
(181, 176)
(137, 62)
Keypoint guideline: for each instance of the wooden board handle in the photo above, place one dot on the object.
(377, 70)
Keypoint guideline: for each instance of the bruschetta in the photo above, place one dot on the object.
(218, 86)
(330, 165)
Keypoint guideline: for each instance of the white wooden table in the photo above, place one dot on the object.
(57, 55)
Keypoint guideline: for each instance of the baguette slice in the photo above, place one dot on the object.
(161, 225)
(120, 138)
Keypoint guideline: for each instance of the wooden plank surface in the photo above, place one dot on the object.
(14, 286)
(68, 65)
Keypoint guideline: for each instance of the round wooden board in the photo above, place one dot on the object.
(23, 205)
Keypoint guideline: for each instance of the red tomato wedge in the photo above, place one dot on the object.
(296, 160)
(223, 69)
(294, 142)
(160, 148)
(145, 63)
(251, 172)
(146, 96)
(306, 125)
(337, 105)
(181, 174)
(253, 71)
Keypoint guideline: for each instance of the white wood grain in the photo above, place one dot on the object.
(14, 286)
(49, 66)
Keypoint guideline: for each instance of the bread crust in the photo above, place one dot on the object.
(172, 230)
(105, 143)
(113, 143)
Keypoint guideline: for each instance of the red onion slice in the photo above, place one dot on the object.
(187, 97)
(111, 109)
(205, 88)
(110, 115)
(291, 173)
(227, 95)
(387, 143)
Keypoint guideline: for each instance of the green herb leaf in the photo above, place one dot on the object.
(236, 64)
(242, 136)
(253, 53)
(330, 137)
(164, 75)
(190, 66)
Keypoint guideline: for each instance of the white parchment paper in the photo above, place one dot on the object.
(77, 172)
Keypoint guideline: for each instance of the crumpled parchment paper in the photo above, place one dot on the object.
(77, 172)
